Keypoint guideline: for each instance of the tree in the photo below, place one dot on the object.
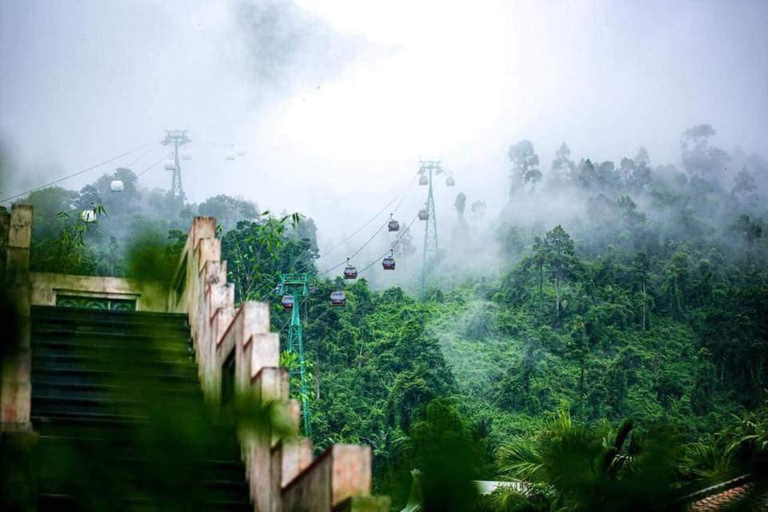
(229, 210)
(561, 257)
(744, 186)
(563, 168)
(459, 204)
(88, 198)
(593, 468)
(641, 268)
(525, 163)
(750, 231)
(641, 174)
(699, 156)
(587, 175)
(510, 239)
(477, 210)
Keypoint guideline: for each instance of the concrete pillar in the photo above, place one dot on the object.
(16, 392)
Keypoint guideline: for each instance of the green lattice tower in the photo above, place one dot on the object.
(177, 138)
(431, 254)
(298, 286)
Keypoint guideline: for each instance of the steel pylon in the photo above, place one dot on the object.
(298, 286)
(431, 253)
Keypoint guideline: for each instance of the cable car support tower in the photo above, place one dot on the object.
(431, 255)
(297, 285)
(177, 138)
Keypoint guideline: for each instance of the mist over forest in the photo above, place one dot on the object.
(598, 301)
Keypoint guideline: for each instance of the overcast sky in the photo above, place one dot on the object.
(335, 101)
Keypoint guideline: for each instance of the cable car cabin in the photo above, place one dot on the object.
(449, 181)
(388, 263)
(229, 155)
(338, 298)
(170, 165)
(423, 215)
(393, 225)
(350, 272)
(423, 180)
(186, 155)
(88, 216)
(287, 302)
(117, 185)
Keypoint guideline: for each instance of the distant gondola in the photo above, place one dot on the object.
(393, 225)
(389, 262)
(423, 214)
(338, 298)
(423, 180)
(287, 302)
(350, 272)
(117, 185)
(449, 181)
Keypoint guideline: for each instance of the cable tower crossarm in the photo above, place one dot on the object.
(78, 173)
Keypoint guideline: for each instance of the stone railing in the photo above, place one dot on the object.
(236, 343)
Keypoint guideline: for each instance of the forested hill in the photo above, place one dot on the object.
(625, 291)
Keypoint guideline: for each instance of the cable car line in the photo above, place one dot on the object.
(154, 165)
(306, 267)
(392, 247)
(401, 195)
(78, 173)
(133, 162)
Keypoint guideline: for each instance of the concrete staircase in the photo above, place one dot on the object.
(121, 390)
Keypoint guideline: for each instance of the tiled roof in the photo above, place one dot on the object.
(757, 498)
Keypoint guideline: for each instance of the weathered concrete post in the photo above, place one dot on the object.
(15, 395)
(17, 441)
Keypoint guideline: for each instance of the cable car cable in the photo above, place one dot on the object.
(392, 247)
(153, 165)
(401, 195)
(78, 173)
(132, 162)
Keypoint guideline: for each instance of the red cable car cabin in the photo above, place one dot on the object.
(338, 298)
(287, 302)
(350, 272)
(388, 263)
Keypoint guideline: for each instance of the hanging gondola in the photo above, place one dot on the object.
(423, 180)
(423, 214)
(170, 164)
(287, 302)
(186, 155)
(449, 181)
(350, 272)
(117, 185)
(88, 216)
(393, 225)
(338, 298)
(229, 155)
(389, 262)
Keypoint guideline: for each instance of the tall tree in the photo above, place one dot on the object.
(641, 269)
(563, 167)
(699, 156)
(525, 165)
(561, 257)
(459, 204)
